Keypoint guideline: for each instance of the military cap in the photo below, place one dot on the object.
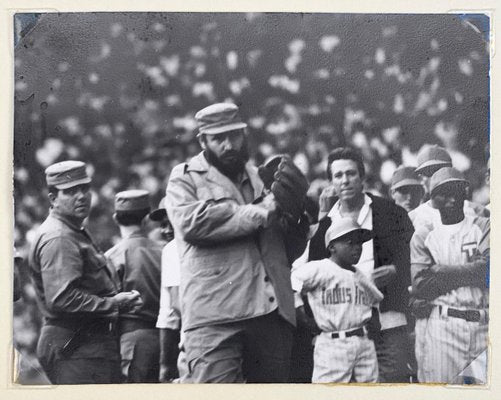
(343, 227)
(160, 213)
(431, 157)
(218, 118)
(132, 200)
(446, 175)
(405, 176)
(67, 174)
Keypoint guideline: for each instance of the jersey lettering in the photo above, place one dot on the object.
(470, 250)
(341, 295)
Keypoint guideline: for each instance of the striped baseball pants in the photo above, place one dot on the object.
(446, 346)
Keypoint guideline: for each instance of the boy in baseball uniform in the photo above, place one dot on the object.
(341, 299)
(450, 272)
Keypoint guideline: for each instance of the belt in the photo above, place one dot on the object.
(362, 331)
(95, 326)
(467, 315)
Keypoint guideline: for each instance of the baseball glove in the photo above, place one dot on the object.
(287, 183)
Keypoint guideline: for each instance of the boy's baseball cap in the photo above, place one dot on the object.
(445, 175)
(344, 226)
(432, 157)
(218, 118)
(132, 200)
(67, 174)
(405, 176)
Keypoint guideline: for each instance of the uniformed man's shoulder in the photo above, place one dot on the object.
(52, 228)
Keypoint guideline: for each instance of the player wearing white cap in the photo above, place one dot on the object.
(450, 271)
(341, 299)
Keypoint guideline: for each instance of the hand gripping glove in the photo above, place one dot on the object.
(287, 183)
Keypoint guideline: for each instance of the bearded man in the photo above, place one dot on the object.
(236, 298)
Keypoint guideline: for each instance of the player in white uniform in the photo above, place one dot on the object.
(450, 271)
(341, 299)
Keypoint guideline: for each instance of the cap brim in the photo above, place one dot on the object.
(158, 215)
(221, 129)
(365, 234)
(463, 181)
(431, 164)
(71, 184)
(406, 182)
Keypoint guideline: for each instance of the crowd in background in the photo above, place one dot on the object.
(120, 91)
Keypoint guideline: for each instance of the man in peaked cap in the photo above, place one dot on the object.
(236, 298)
(432, 158)
(76, 290)
(406, 188)
(136, 259)
(450, 271)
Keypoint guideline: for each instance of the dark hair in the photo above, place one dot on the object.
(346, 153)
(128, 218)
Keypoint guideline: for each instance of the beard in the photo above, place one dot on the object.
(231, 163)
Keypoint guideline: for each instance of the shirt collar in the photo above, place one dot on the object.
(68, 221)
(334, 212)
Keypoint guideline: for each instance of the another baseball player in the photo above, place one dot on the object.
(341, 299)
(406, 188)
(449, 270)
(137, 262)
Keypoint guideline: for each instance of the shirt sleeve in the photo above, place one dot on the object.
(305, 277)
(171, 267)
(62, 268)
(169, 316)
(420, 254)
(370, 288)
(211, 220)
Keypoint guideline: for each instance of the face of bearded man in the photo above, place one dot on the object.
(227, 151)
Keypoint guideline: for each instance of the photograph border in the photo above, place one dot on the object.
(10, 390)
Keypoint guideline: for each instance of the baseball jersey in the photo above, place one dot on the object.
(426, 215)
(455, 244)
(339, 298)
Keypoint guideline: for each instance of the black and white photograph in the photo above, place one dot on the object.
(251, 197)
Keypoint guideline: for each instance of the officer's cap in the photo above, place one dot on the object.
(343, 227)
(132, 200)
(218, 118)
(67, 174)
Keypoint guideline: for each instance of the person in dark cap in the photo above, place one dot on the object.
(136, 259)
(237, 303)
(76, 290)
(406, 188)
(163, 232)
(450, 272)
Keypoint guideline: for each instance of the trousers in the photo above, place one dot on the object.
(96, 359)
(257, 350)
